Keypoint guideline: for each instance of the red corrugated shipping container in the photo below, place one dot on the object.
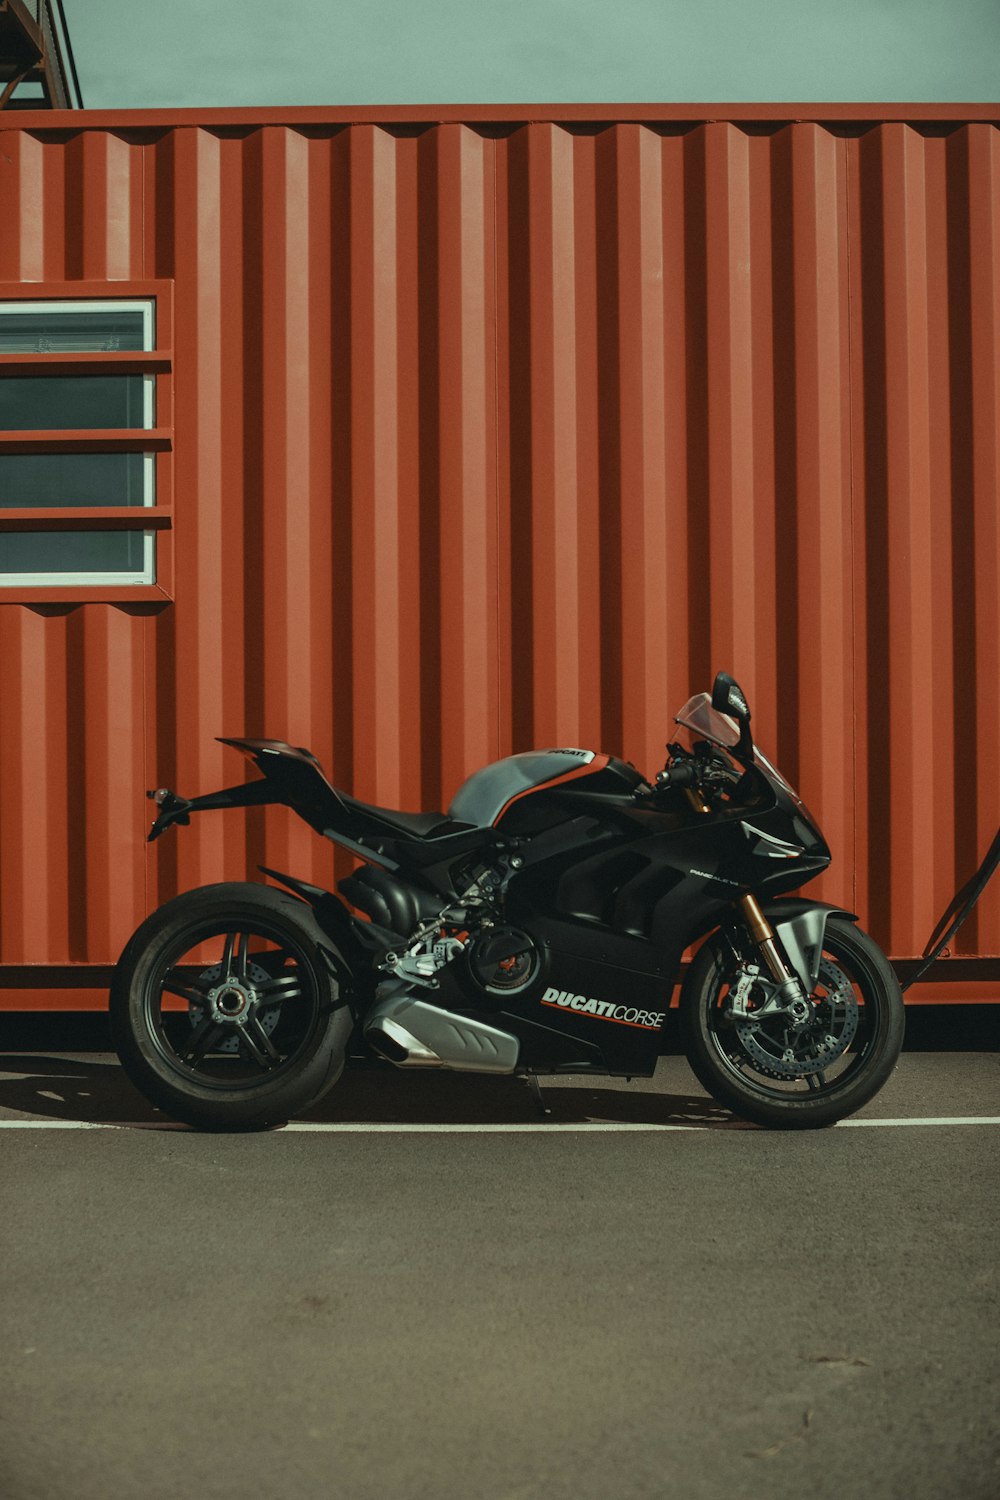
(479, 429)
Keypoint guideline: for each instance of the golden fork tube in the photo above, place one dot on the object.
(763, 935)
(696, 800)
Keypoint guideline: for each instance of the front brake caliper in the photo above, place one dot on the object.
(739, 997)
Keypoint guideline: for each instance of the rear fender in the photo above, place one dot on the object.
(800, 928)
(347, 935)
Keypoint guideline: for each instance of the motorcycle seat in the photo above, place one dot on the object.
(425, 825)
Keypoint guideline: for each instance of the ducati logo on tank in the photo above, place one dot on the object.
(624, 1015)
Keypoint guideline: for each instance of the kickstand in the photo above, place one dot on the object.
(536, 1093)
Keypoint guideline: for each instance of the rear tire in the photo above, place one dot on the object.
(867, 1012)
(245, 1037)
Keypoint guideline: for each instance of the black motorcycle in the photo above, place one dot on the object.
(536, 928)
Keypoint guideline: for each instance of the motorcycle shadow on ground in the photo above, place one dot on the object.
(94, 1090)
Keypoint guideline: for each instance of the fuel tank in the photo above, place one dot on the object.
(489, 794)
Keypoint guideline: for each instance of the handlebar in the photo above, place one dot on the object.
(681, 773)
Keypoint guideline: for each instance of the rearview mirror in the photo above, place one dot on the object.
(728, 698)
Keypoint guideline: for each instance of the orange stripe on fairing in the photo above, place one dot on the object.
(598, 763)
(636, 1025)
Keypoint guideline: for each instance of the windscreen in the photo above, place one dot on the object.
(704, 722)
(702, 719)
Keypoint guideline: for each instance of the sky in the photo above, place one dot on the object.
(177, 53)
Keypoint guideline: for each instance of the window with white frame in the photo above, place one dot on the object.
(75, 470)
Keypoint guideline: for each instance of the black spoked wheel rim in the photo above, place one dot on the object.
(232, 1003)
(780, 1061)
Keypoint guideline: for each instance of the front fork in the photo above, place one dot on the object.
(789, 998)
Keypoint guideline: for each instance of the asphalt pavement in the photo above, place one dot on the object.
(424, 1289)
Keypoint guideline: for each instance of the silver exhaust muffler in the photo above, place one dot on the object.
(413, 1034)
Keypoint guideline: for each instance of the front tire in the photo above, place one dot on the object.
(811, 1078)
(229, 1008)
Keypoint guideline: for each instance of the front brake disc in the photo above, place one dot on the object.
(780, 1050)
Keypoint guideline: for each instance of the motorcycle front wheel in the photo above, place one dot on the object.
(229, 1008)
(802, 1076)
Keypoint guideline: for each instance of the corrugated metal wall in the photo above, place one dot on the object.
(495, 435)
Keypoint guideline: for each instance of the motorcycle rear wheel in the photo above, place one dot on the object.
(766, 1076)
(228, 1008)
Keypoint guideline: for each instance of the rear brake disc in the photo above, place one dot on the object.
(268, 1018)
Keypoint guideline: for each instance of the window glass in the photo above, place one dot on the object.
(75, 478)
(71, 401)
(63, 552)
(34, 328)
(75, 402)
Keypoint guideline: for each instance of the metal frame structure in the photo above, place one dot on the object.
(35, 52)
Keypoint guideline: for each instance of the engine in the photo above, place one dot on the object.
(390, 903)
(503, 960)
(499, 960)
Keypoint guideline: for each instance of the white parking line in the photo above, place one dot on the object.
(931, 1120)
(59, 1125)
(358, 1127)
(606, 1125)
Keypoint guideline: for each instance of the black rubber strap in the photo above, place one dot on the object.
(958, 909)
